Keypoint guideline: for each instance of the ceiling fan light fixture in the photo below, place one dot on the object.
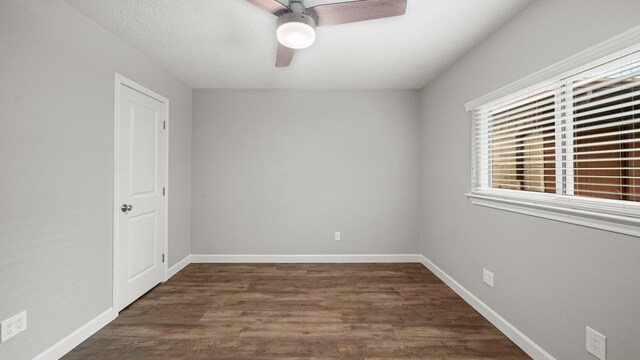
(296, 31)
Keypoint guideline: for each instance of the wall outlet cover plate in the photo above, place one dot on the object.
(596, 344)
(487, 277)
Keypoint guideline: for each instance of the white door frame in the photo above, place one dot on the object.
(121, 80)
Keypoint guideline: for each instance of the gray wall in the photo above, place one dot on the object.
(552, 279)
(277, 172)
(56, 160)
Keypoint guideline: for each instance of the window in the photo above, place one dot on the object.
(571, 143)
(606, 133)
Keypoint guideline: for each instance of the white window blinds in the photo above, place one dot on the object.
(574, 140)
(515, 142)
(603, 125)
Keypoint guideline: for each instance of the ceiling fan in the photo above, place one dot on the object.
(296, 25)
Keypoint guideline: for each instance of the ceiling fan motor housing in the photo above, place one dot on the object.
(296, 30)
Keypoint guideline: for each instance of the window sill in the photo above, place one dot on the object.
(613, 223)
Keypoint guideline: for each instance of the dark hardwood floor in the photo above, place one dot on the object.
(328, 311)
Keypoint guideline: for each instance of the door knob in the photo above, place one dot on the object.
(126, 208)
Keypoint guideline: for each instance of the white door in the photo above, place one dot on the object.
(140, 212)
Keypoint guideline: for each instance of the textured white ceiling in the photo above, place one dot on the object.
(231, 44)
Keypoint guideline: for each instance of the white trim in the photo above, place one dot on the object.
(167, 191)
(351, 258)
(525, 343)
(178, 266)
(121, 80)
(62, 347)
(594, 53)
(596, 220)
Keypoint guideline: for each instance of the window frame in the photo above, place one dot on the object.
(611, 215)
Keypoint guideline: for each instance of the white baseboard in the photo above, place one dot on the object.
(59, 349)
(526, 344)
(372, 258)
(178, 266)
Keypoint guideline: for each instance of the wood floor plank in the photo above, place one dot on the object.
(299, 311)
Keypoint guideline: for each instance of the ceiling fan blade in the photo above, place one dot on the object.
(285, 55)
(273, 6)
(352, 11)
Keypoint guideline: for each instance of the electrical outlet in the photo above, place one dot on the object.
(487, 277)
(13, 326)
(596, 344)
(21, 322)
(8, 329)
(337, 236)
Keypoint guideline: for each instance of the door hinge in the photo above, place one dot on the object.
(163, 258)
(163, 191)
(164, 125)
